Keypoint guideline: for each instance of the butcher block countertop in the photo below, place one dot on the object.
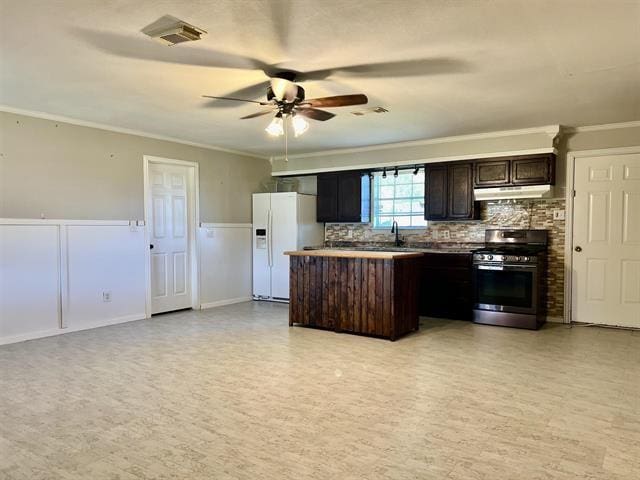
(375, 255)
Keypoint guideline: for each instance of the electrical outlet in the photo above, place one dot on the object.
(445, 234)
(558, 214)
(106, 296)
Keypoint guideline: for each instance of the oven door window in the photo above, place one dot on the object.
(506, 288)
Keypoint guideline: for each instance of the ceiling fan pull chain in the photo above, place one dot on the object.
(286, 138)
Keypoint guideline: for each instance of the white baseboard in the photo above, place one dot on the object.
(59, 331)
(228, 301)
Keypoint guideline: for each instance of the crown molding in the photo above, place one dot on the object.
(127, 131)
(550, 130)
(604, 126)
(412, 163)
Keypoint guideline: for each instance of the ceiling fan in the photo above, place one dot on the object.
(286, 99)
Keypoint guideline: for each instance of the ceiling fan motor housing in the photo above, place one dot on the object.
(299, 94)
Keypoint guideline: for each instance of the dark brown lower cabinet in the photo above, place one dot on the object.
(355, 295)
(445, 286)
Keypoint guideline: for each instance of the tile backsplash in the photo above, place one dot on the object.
(537, 214)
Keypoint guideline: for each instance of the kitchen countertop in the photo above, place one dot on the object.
(345, 253)
(374, 248)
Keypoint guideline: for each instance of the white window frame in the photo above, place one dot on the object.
(374, 201)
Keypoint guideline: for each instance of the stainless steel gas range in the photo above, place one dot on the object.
(509, 281)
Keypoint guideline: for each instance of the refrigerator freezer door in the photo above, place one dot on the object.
(259, 239)
(284, 238)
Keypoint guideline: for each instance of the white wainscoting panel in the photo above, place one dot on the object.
(54, 273)
(225, 263)
(104, 260)
(29, 281)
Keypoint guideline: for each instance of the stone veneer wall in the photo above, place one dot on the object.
(536, 214)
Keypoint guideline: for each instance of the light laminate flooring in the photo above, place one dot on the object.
(234, 393)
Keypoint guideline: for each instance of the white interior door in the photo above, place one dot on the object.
(284, 233)
(606, 240)
(169, 234)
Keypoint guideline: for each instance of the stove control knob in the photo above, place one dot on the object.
(519, 259)
(490, 257)
(526, 259)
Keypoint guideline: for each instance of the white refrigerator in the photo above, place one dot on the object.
(281, 222)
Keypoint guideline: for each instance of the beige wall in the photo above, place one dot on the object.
(605, 138)
(73, 172)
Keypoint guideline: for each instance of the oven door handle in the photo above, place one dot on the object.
(506, 267)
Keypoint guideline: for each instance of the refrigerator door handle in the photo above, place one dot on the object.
(269, 238)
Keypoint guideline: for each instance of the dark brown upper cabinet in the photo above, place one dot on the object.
(461, 204)
(517, 170)
(435, 192)
(343, 197)
(538, 170)
(449, 192)
(327, 198)
(492, 173)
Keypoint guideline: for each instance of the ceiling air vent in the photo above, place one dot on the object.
(365, 111)
(174, 32)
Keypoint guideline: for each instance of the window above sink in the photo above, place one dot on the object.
(399, 198)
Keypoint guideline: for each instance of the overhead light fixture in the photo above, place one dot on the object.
(415, 172)
(276, 127)
(300, 125)
(384, 172)
(395, 172)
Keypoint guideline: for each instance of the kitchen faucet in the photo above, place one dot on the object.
(396, 229)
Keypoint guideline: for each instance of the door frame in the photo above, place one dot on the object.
(194, 215)
(569, 207)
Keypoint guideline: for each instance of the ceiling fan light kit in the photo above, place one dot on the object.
(300, 125)
(287, 98)
(276, 127)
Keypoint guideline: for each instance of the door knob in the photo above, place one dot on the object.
(151, 246)
(578, 249)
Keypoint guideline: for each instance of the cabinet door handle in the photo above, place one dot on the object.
(578, 249)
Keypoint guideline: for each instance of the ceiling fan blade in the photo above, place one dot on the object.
(248, 94)
(337, 101)
(144, 48)
(402, 68)
(236, 99)
(283, 89)
(257, 114)
(315, 114)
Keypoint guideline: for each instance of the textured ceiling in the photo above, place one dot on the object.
(480, 65)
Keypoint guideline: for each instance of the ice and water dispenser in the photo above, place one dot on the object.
(261, 238)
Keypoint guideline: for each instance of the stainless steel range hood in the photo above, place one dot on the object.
(507, 193)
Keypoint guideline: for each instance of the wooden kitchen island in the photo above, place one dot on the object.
(351, 291)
